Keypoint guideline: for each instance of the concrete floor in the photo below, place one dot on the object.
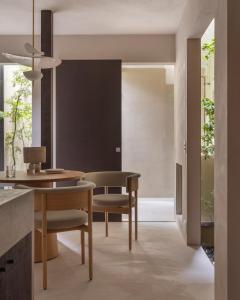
(160, 267)
(155, 210)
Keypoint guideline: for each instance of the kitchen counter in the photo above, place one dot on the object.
(16, 217)
(10, 195)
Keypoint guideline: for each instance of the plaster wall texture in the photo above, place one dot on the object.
(128, 48)
(197, 17)
(148, 130)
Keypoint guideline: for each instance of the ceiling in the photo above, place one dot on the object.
(94, 16)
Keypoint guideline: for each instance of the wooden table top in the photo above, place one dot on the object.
(23, 177)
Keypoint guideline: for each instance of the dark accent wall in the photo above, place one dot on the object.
(178, 189)
(88, 116)
(47, 85)
(1, 121)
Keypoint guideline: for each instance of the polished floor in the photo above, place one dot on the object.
(155, 210)
(160, 267)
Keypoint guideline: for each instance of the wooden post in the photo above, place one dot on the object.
(47, 86)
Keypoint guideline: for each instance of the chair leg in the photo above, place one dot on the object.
(44, 259)
(106, 223)
(83, 246)
(90, 255)
(136, 217)
(130, 228)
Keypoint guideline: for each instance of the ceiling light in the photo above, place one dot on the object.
(33, 58)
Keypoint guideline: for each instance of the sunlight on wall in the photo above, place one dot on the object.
(148, 129)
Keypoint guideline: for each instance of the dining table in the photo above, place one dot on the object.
(42, 179)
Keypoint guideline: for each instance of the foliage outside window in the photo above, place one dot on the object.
(208, 127)
(18, 115)
(207, 136)
(208, 108)
(209, 49)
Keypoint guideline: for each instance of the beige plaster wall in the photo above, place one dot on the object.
(128, 48)
(148, 130)
(197, 16)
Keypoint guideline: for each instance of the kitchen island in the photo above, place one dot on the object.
(16, 259)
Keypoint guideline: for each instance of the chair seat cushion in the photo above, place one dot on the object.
(62, 219)
(116, 200)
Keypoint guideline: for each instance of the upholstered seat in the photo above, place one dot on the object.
(62, 219)
(115, 200)
(116, 203)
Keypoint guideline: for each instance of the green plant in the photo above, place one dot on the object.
(208, 108)
(18, 112)
(209, 49)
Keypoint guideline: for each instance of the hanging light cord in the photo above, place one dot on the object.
(33, 30)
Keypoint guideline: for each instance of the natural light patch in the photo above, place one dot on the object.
(207, 139)
(17, 115)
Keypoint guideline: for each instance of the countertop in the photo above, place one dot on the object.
(9, 195)
(16, 217)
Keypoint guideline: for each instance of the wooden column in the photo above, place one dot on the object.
(193, 141)
(1, 121)
(227, 149)
(47, 85)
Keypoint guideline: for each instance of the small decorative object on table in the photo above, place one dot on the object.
(10, 171)
(54, 171)
(35, 156)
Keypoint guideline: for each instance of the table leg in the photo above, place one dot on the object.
(52, 246)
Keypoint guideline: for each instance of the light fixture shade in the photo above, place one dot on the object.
(34, 155)
(46, 62)
(41, 62)
(33, 75)
(34, 58)
(19, 59)
(33, 51)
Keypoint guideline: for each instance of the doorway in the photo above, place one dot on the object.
(148, 136)
(207, 139)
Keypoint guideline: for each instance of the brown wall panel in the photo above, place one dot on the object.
(88, 115)
(47, 86)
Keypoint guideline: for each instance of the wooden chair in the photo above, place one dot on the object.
(116, 203)
(64, 209)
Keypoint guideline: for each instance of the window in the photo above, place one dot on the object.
(17, 114)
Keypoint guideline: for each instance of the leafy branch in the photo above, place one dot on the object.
(208, 108)
(208, 127)
(19, 114)
(209, 49)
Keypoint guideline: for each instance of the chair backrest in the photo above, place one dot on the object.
(66, 198)
(113, 179)
(63, 198)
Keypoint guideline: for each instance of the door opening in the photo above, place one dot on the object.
(207, 140)
(148, 136)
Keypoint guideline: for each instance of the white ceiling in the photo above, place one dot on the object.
(94, 16)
